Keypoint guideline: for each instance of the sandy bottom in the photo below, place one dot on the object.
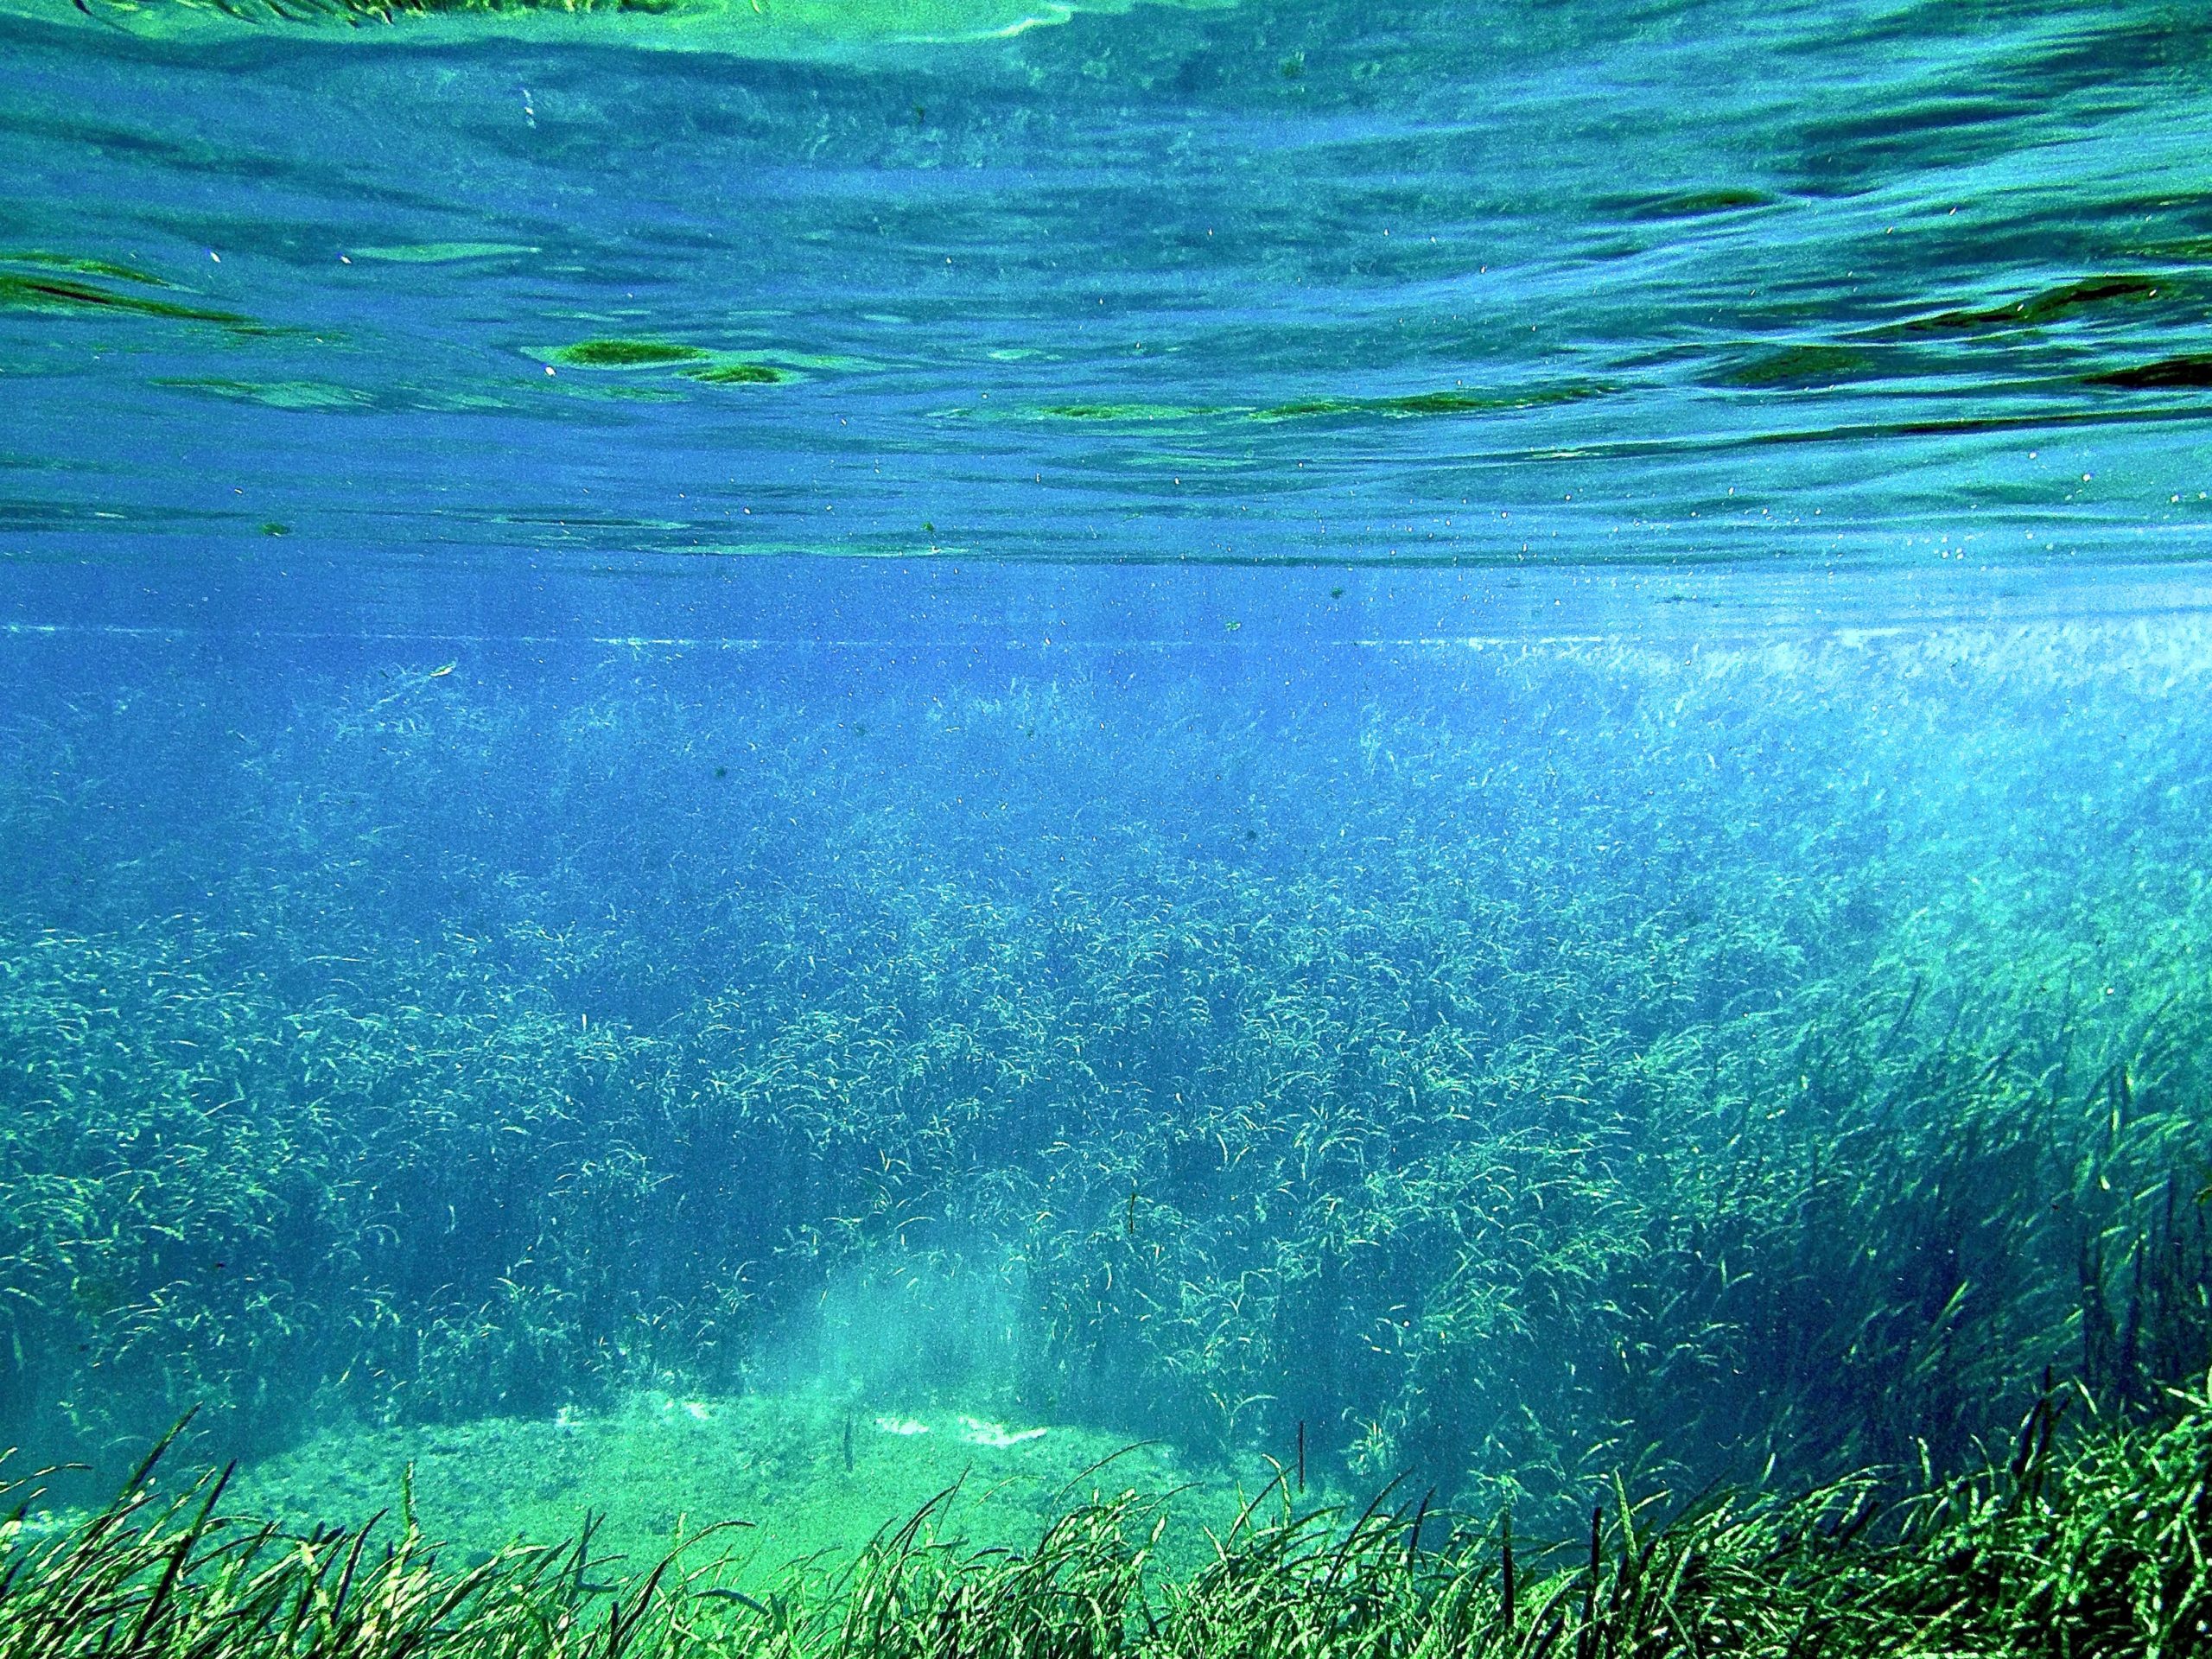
(660, 1471)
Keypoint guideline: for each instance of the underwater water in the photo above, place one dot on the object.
(797, 765)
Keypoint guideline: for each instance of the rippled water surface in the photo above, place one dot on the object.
(1291, 280)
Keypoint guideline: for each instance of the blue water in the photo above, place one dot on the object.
(1289, 283)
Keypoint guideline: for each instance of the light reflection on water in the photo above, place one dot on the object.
(1642, 285)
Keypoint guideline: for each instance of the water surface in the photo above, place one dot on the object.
(1270, 282)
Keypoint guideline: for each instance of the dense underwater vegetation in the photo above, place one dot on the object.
(1746, 1064)
(1483, 929)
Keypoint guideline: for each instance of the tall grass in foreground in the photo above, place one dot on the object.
(2095, 1545)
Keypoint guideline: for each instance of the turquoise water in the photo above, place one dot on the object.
(1281, 283)
(1442, 742)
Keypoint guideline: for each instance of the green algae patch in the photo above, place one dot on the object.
(83, 267)
(792, 29)
(695, 363)
(441, 253)
(2191, 372)
(22, 292)
(1799, 368)
(1692, 204)
(1417, 404)
(626, 354)
(740, 374)
(2052, 305)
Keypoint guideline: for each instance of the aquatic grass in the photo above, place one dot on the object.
(158, 1576)
(1630, 1063)
(2075, 1543)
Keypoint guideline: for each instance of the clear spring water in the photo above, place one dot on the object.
(671, 688)
(1635, 283)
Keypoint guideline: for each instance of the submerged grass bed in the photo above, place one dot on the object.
(1563, 1060)
(2081, 1548)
